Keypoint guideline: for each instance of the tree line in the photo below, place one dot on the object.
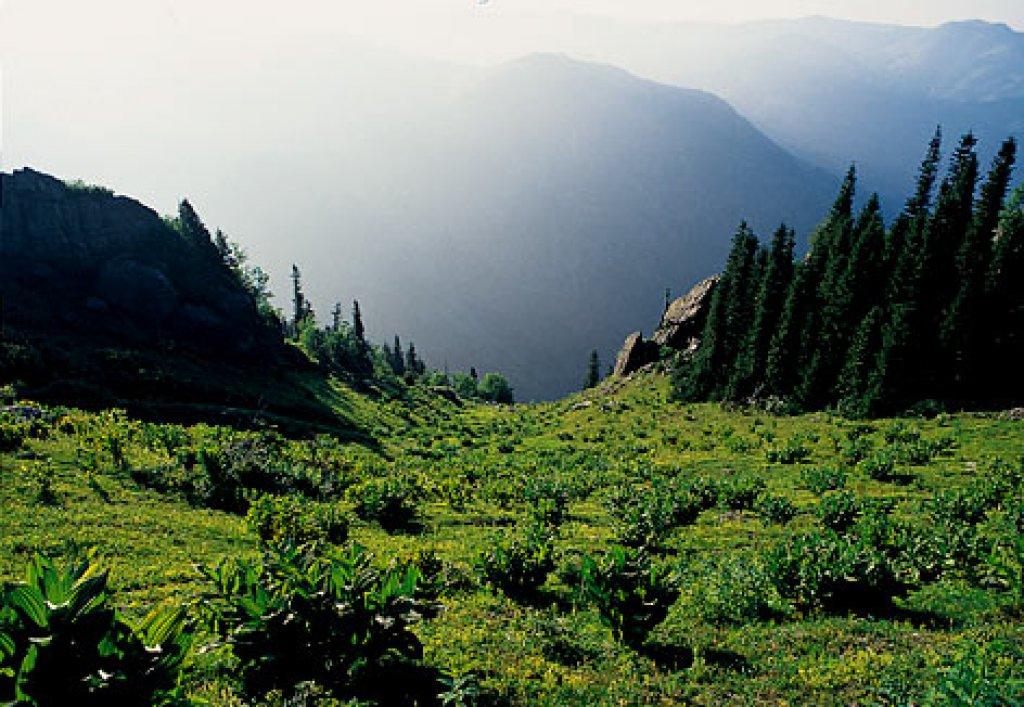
(926, 312)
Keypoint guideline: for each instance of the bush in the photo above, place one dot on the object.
(391, 502)
(794, 451)
(632, 595)
(838, 510)
(880, 466)
(520, 566)
(739, 492)
(821, 479)
(62, 643)
(548, 500)
(295, 618)
(775, 509)
(278, 519)
(736, 591)
(830, 571)
(12, 435)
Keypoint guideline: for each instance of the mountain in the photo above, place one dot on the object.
(554, 203)
(832, 91)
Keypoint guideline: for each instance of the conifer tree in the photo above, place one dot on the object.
(301, 308)
(357, 323)
(336, 317)
(593, 371)
(967, 319)
(773, 285)
(1004, 295)
(397, 361)
(727, 324)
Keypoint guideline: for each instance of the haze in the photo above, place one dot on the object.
(394, 149)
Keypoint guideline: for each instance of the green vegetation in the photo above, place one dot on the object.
(614, 547)
(925, 314)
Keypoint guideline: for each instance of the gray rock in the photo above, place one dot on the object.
(683, 321)
(634, 354)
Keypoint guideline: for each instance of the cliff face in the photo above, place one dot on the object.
(84, 263)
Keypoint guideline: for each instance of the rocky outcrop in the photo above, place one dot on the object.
(680, 330)
(81, 262)
(683, 321)
(635, 354)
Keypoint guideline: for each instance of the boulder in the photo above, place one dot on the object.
(683, 321)
(635, 353)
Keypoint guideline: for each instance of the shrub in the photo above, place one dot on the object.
(644, 516)
(830, 571)
(62, 643)
(737, 590)
(520, 566)
(632, 594)
(548, 500)
(775, 509)
(793, 451)
(838, 510)
(278, 519)
(294, 618)
(12, 435)
(854, 449)
(739, 492)
(821, 479)
(880, 466)
(391, 502)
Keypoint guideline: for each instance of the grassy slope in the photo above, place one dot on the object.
(472, 463)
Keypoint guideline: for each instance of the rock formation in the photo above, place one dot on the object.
(680, 330)
(80, 262)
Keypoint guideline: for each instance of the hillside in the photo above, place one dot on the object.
(105, 304)
(806, 573)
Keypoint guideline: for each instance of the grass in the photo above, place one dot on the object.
(63, 490)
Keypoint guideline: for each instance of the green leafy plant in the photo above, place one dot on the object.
(775, 509)
(518, 567)
(295, 618)
(821, 479)
(278, 519)
(838, 510)
(391, 502)
(793, 451)
(632, 594)
(62, 643)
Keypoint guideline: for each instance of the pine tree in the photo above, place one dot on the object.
(966, 321)
(826, 334)
(1004, 296)
(773, 285)
(413, 366)
(593, 371)
(397, 362)
(301, 308)
(893, 364)
(336, 317)
(357, 323)
(728, 321)
(472, 373)
(936, 264)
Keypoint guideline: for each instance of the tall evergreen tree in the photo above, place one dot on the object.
(301, 308)
(397, 362)
(727, 323)
(593, 371)
(357, 323)
(1004, 295)
(773, 284)
(966, 321)
(336, 317)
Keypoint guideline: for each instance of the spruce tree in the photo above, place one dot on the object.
(728, 321)
(773, 285)
(336, 317)
(966, 326)
(357, 323)
(1004, 296)
(301, 308)
(593, 371)
(398, 361)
